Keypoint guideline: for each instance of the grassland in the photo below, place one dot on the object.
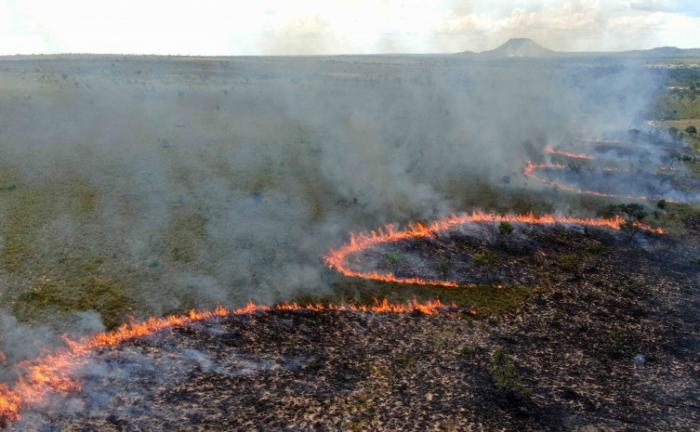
(61, 255)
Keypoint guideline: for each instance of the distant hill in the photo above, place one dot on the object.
(520, 47)
(663, 52)
(527, 48)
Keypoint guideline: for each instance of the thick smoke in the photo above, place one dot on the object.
(195, 182)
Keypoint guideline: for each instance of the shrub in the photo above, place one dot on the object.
(569, 263)
(505, 228)
(502, 372)
(394, 258)
(485, 259)
(443, 264)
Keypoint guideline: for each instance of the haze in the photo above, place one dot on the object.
(212, 27)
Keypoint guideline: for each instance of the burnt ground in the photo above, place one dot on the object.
(563, 361)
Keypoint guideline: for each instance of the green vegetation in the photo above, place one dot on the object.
(502, 372)
(596, 249)
(570, 263)
(469, 353)
(394, 258)
(487, 259)
(674, 217)
(18, 232)
(443, 265)
(505, 228)
(682, 101)
(185, 234)
(89, 292)
(632, 211)
(489, 197)
(489, 300)
(52, 282)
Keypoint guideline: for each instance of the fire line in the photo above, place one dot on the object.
(553, 151)
(336, 258)
(54, 372)
(530, 171)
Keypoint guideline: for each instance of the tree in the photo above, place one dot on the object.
(673, 132)
(691, 130)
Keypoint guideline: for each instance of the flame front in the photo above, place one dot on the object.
(55, 372)
(530, 171)
(337, 258)
(552, 150)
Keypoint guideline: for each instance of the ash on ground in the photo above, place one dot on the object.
(569, 359)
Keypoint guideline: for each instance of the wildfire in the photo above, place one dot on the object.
(530, 171)
(54, 373)
(337, 258)
(552, 150)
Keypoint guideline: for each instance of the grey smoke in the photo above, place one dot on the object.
(266, 163)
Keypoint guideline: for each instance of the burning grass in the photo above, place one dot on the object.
(483, 300)
(606, 182)
(54, 372)
(512, 386)
(564, 362)
(337, 259)
(573, 155)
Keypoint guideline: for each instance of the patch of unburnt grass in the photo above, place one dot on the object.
(80, 287)
(488, 300)
(65, 281)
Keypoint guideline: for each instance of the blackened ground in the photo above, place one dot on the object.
(564, 361)
(484, 253)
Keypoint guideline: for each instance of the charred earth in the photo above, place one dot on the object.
(608, 338)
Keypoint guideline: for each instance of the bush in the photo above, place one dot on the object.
(628, 211)
(394, 258)
(505, 228)
(570, 263)
(485, 259)
(502, 372)
(443, 265)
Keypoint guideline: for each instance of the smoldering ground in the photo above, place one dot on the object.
(134, 186)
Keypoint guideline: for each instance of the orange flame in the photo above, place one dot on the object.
(336, 258)
(54, 372)
(530, 171)
(552, 150)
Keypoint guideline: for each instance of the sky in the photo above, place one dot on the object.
(291, 27)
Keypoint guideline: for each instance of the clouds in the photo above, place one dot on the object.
(573, 25)
(215, 27)
(683, 7)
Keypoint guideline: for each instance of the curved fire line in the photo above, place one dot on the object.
(55, 373)
(336, 258)
(551, 150)
(530, 171)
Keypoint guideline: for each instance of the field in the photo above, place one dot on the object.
(140, 186)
